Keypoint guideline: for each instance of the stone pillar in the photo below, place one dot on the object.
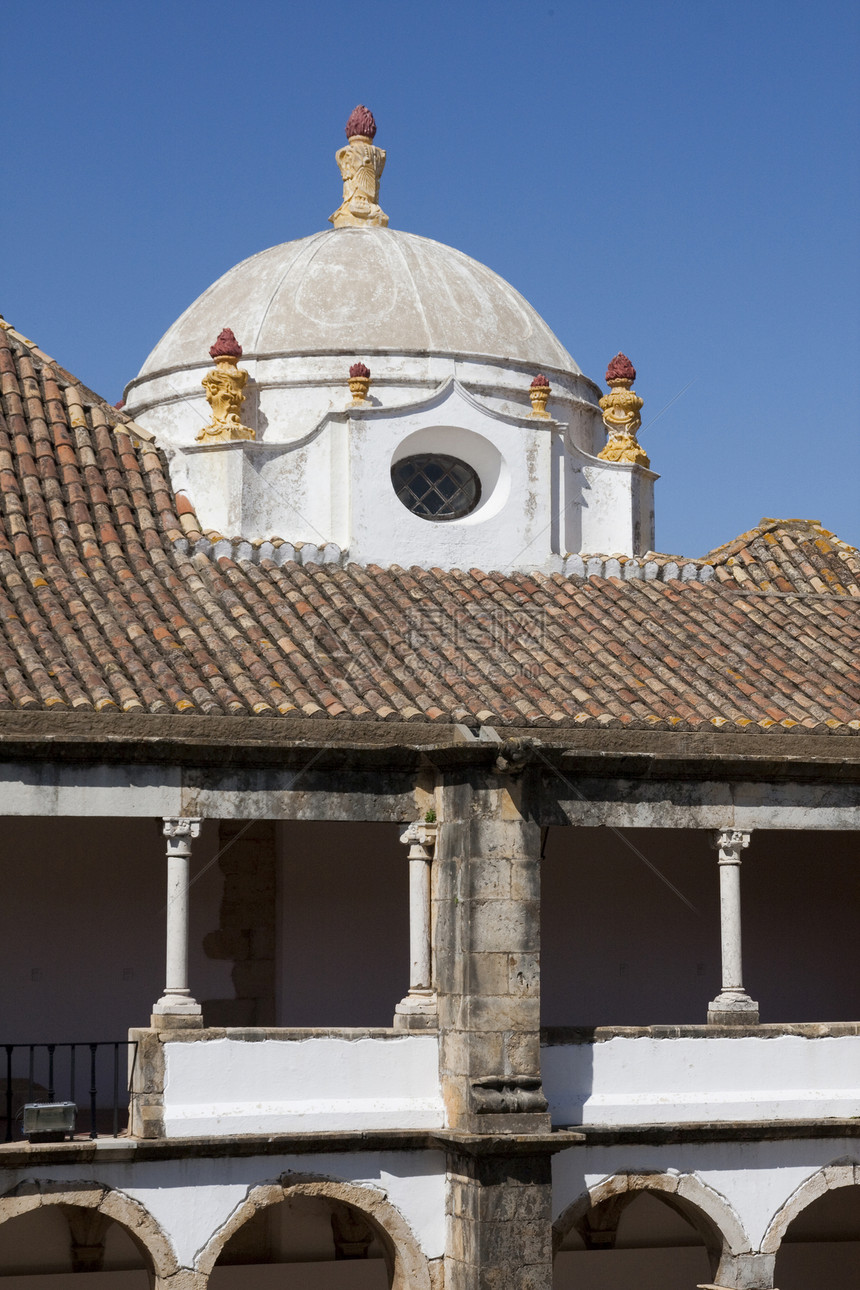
(743, 1272)
(418, 1011)
(486, 893)
(732, 1006)
(177, 1003)
(499, 1222)
(487, 961)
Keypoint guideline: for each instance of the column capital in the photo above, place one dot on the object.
(730, 843)
(181, 827)
(420, 837)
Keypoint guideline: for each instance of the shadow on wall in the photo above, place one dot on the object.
(620, 947)
(343, 925)
(82, 925)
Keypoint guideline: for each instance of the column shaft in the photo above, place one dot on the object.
(177, 1001)
(419, 924)
(730, 925)
(732, 1006)
(418, 1011)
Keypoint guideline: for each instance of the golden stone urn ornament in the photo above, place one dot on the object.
(539, 394)
(359, 383)
(621, 408)
(224, 386)
(361, 166)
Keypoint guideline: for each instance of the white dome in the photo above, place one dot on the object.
(361, 292)
(452, 350)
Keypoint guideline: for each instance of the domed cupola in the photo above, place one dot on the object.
(447, 418)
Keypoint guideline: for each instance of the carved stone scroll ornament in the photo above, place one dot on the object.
(224, 386)
(621, 408)
(361, 165)
(508, 1095)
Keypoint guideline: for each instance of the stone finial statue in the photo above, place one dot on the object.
(224, 386)
(621, 408)
(361, 165)
(359, 383)
(539, 394)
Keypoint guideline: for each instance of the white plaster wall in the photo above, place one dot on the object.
(260, 491)
(617, 506)
(679, 1081)
(287, 396)
(192, 1199)
(333, 484)
(306, 1086)
(751, 1181)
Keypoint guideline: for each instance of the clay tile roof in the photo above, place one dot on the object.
(112, 599)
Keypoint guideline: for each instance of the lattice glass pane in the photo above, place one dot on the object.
(435, 486)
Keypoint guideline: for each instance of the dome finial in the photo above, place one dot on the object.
(224, 386)
(361, 123)
(361, 164)
(539, 394)
(621, 408)
(359, 383)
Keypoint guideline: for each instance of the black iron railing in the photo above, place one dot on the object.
(84, 1073)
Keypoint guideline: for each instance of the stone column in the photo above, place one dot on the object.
(486, 893)
(732, 1006)
(499, 1221)
(177, 1002)
(743, 1272)
(418, 1010)
(487, 958)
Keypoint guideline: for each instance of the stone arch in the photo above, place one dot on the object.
(116, 1205)
(710, 1213)
(841, 1173)
(407, 1264)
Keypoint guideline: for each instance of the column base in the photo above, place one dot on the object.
(176, 1012)
(176, 1021)
(418, 1011)
(733, 1008)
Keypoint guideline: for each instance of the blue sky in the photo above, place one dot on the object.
(680, 181)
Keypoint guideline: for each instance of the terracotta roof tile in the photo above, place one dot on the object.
(112, 598)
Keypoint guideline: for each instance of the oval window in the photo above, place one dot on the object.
(434, 486)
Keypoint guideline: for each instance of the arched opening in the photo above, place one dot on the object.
(642, 1232)
(315, 1235)
(821, 1245)
(305, 1241)
(47, 1248)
